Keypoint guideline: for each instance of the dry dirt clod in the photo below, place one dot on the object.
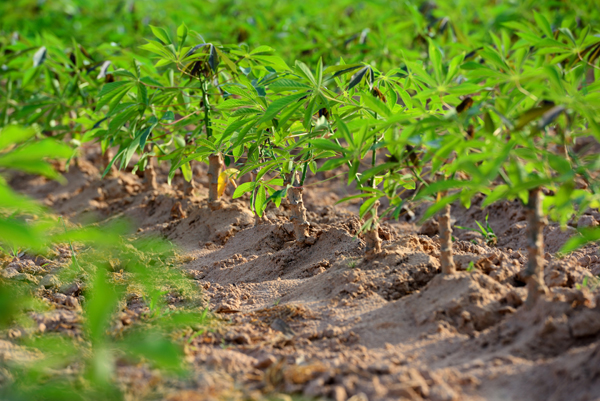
(177, 212)
(283, 327)
(265, 362)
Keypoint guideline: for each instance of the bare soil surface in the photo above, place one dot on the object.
(323, 321)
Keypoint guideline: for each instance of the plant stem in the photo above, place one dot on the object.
(534, 273)
(304, 168)
(372, 240)
(149, 173)
(207, 124)
(373, 160)
(215, 162)
(298, 212)
(446, 257)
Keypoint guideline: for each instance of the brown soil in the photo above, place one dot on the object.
(324, 321)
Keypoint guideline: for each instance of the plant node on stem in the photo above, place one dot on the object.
(534, 273)
(446, 258)
(215, 163)
(372, 239)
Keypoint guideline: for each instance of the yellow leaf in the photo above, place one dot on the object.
(222, 183)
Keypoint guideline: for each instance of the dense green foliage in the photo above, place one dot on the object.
(462, 97)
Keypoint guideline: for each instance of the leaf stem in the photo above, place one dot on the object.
(207, 124)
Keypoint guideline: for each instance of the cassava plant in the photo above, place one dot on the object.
(528, 128)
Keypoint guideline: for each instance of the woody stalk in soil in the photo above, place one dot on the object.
(149, 172)
(534, 272)
(372, 240)
(298, 211)
(215, 161)
(446, 258)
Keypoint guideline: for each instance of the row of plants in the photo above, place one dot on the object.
(56, 55)
(376, 30)
(503, 120)
(461, 106)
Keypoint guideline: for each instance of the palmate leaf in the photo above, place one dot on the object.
(182, 33)
(111, 87)
(375, 104)
(161, 35)
(278, 105)
(287, 85)
(303, 70)
(230, 104)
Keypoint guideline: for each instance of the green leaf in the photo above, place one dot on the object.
(277, 105)
(263, 50)
(182, 32)
(14, 134)
(332, 164)
(341, 69)
(101, 303)
(586, 235)
(439, 205)
(288, 84)
(543, 24)
(358, 77)
(260, 203)
(364, 177)
(325, 144)
(113, 86)
(161, 35)
(304, 71)
(347, 198)
(367, 206)
(375, 104)
(243, 188)
(436, 60)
